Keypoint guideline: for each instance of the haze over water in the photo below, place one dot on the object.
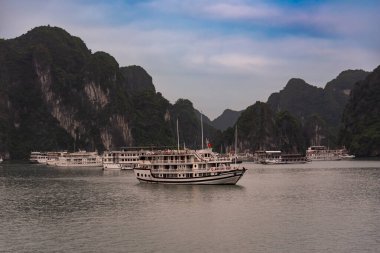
(318, 207)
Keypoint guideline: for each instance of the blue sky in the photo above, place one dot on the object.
(218, 54)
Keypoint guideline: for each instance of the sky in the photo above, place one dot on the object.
(218, 54)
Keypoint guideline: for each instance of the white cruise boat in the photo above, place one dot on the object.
(79, 159)
(52, 157)
(121, 160)
(187, 167)
(38, 157)
(277, 157)
(321, 153)
(110, 160)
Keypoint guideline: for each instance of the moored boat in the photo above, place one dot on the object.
(347, 157)
(121, 160)
(79, 159)
(322, 153)
(38, 157)
(277, 157)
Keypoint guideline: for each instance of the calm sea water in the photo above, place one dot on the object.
(318, 207)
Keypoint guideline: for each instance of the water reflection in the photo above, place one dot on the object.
(319, 208)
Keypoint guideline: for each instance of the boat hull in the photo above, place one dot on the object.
(283, 162)
(99, 165)
(111, 166)
(127, 166)
(325, 158)
(228, 178)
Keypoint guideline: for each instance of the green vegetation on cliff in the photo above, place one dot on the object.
(361, 120)
(227, 119)
(56, 94)
(259, 128)
(305, 101)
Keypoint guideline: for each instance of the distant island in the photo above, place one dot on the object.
(55, 94)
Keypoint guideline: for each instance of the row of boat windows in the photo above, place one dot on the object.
(143, 175)
(80, 160)
(199, 166)
(156, 167)
(165, 158)
(128, 155)
(121, 160)
(175, 175)
(184, 175)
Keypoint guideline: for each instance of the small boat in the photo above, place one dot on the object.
(187, 167)
(347, 157)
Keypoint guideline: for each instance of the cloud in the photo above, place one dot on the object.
(240, 11)
(219, 55)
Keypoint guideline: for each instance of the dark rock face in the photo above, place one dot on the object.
(227, 119)
(56, 94)
(306, 102)
(361, 119)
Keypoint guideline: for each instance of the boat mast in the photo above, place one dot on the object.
(236, 142)
(177, 136)
(202, 129)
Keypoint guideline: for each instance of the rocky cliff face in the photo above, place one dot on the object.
(56, 94)
(96, 95)
(317, 108)
(227, 119)
(260, 128)
(361, 120)
(64, 115)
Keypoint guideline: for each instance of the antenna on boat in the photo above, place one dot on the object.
(235, 142)
(177, 136)
(202, 128)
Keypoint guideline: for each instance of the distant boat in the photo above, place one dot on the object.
(38, 157)
(79, 159)
(277, 157)
(47, 158)
(121, 160)
(321, 153)
(52, 157)
(347, 157)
